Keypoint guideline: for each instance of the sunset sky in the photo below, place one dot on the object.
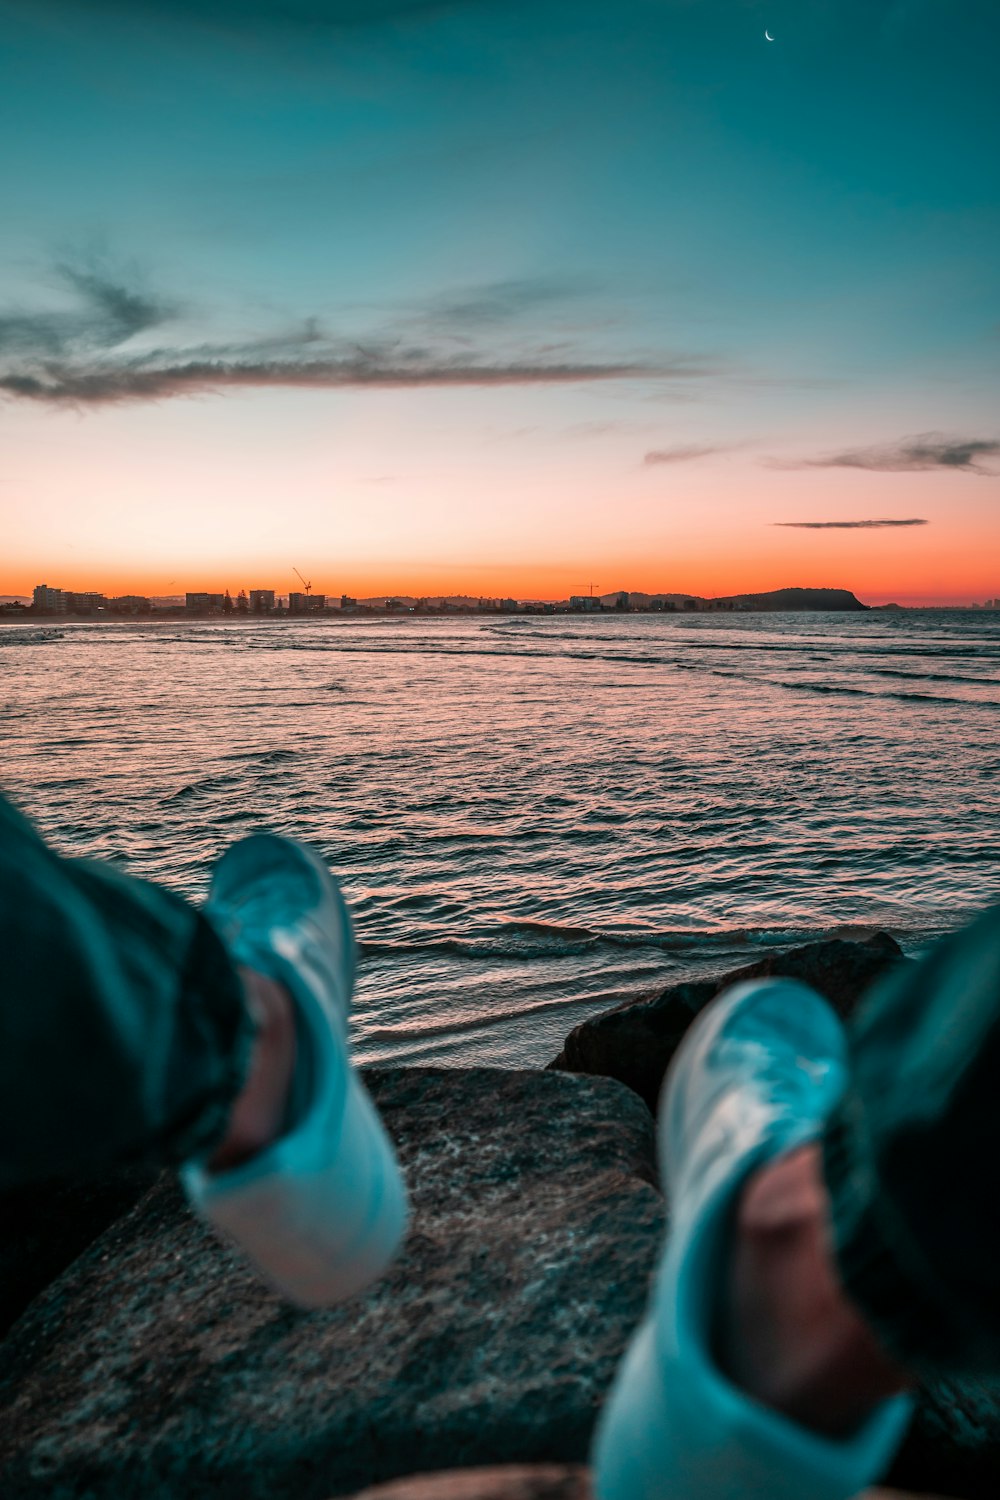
(504, 298)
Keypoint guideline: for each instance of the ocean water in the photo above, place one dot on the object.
(533, 817)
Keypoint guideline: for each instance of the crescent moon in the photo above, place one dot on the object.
(768, 36)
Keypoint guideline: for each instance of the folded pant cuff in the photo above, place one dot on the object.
(921, 1330)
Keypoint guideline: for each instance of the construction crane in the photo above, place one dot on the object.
(306, 586)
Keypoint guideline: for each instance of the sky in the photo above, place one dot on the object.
(501, 297)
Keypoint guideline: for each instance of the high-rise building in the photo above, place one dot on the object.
(306, 604)
(261, 601)
(48, 601)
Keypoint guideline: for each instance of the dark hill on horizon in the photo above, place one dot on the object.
(774, 600)
(784, 599)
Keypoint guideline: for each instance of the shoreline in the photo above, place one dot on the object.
(373, 612)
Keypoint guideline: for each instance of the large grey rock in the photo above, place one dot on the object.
(635, 1042)
(158, 1366)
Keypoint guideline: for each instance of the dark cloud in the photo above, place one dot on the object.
(77, 357)
(120, 310)
(684, 453)
(849, 525)
(110, 384)
(109, 312)
(928, 450)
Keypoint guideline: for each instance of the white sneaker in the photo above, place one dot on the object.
(756, 1076)
(323, 1210)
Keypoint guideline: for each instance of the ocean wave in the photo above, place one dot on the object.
(17, 635)
(264, 757)
(900, 697)
(839, 649)
(841, 688)
(526, 940)
(203, 786)
(933, 676)
(418, 1031)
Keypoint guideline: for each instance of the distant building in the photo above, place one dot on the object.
(48, 601)
(306, 604)
(203, 604)
(508, 606)
(85, 603)
(261, 601)
(585, 601)
(130, 604)
(346, 602)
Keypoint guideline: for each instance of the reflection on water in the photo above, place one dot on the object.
(533, 816)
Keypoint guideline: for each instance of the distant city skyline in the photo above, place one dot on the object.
(51, 599)
(502, 299)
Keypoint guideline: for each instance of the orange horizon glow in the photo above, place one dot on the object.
(525, 582)
(424, 494)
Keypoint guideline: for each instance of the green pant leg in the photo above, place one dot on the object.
(910, 1158)
(123, 1032)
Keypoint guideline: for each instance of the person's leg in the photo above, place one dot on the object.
(907, 1159)
(323, 1209)
(872, 1256)
(789, 1334)
(124, 1029)
(134, 1028)
(751, 1088)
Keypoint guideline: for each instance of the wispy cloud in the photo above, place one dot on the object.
(108, 313)
(150, 380)
(81, 356)
(684, 453)
(927, 450)
(850, 525)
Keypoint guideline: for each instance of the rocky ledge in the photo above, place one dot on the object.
(635, 1042)
(158, 1366)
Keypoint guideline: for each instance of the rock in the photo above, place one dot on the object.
(47, 1225)
(635, 1042)
(953, 1445)
(511, 1482)
(158, 1366)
